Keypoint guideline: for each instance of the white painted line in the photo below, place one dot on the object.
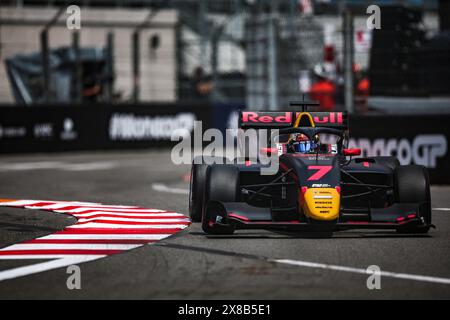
(164, 188)
(19, 203)
(85, 206)
(110, 219)
(70, 246)
(56, 165)
(93, 225)
(40, 256)
(106, 237)
(121, 214)
(441, 209)
(110, 210)
(388, 274)
(24, 166)
(93, 166)
(46, 266)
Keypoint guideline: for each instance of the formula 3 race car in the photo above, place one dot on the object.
(318, 187)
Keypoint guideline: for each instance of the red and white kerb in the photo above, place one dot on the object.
(100, 231)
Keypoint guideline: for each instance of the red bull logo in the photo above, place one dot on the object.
(267, 117)
(287, 118)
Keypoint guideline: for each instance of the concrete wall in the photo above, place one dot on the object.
(19, 34)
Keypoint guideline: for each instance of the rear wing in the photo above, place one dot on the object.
(286, 119)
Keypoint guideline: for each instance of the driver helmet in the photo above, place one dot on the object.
(301, 143)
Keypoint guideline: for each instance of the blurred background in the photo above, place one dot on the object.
(131, 72)
(255, 53)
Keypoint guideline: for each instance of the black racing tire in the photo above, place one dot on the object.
(412, 185)
(223, 185)
(196, 191)
(390, 162)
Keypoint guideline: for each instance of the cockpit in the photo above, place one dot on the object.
(301, 144)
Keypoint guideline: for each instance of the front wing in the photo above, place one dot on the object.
(245, 216)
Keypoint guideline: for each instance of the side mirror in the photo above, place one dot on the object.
(352, 152)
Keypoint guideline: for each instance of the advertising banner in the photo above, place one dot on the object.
(59, 128)
(413, 139)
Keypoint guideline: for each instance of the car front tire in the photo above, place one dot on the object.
(197, 190)
(412, 185)
(222, 185)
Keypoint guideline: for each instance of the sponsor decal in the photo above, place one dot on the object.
(332, 117)
(287, 118)
(423, 150)
(363, 40)
(320, 185)
(68, 132)
(43, 130)
(321, 171)
(12, 132)
(266, 117)
(129, 127)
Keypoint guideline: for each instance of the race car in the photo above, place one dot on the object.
(320, 184)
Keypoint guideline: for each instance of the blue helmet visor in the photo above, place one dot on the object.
(302, 147)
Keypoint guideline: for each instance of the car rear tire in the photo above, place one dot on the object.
(412, 185)
(222, 185)
(196, 191)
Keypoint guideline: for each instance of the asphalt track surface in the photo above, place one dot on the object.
(190, 265)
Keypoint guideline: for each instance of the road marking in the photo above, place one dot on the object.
(96, 225)
(101, 231)
(307, 264)
(164, 188)
(388, 274)
(74, 207)
(29, 166)
(46, 266)
(92, 166)
(72, 210)
(441, 209)
(127, 215)
(40, 257)
(64, 246)
(106, 237)
(57, 165)
(152, 219)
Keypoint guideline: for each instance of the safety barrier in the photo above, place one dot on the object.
(414, 139)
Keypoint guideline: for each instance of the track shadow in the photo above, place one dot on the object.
(25, 228)
(272, 235)
(381, 235)
(313, 235)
